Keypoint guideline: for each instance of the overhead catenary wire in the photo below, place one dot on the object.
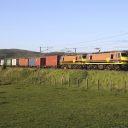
(104, 41)
(106, 38)
(100, 42)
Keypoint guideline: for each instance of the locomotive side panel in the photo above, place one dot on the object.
(104, 57)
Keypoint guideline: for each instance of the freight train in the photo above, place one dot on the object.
(111, 60)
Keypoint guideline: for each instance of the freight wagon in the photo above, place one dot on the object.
(23, 62)
(15, 62)
(52, 61)
(2, 62)
(32, 62)
(8, 62)
(40, 62)
(37, 62)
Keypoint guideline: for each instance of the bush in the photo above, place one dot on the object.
(4, 67)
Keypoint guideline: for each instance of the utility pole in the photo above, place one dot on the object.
(75, 49)
(40, 50)
(46, 49)
(99, 49)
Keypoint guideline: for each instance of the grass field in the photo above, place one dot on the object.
(27, 102)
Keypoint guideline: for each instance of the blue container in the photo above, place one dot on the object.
(32, 62)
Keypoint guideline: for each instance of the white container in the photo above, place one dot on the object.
(14, 62)
(2, 62)
(8, 62)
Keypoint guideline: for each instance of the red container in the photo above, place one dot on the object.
(40, 62)
(52, 61)
(23, 62)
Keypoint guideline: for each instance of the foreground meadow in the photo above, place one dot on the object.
(33, 106)
(31, 98)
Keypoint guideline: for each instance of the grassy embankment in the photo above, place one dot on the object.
(104, 80)
(32, 98)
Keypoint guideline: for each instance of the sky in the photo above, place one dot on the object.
(64, 24)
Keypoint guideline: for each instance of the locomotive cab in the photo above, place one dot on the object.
(83, 58)
(124, 56)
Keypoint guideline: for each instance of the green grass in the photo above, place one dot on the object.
(107, 79)
(35, 106)
(31, 98)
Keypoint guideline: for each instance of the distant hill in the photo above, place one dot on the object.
(16, 53)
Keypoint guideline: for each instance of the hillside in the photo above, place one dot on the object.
(15, 53)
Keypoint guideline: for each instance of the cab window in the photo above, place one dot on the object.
(90, 57)
(84, 56)
(124, 54)
(112, 56)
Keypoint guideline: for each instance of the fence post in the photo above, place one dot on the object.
(62, 82)
(98, 84)
(69, 82)
(87, 84)
(111, 85)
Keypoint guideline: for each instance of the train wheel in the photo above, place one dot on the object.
(84, 66)
(94, 67)
(89, 67)
(73, 66)
(117, 67)
(109, 67)
(124, 67)
(79, 66)
(101, 67)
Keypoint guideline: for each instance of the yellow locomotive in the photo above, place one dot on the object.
(113, 60)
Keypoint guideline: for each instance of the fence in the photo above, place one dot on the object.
(86, 84)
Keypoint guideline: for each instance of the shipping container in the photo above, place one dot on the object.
(40, 62)
(15, 62)
(32, 62)
(52, 61)
(2, 62)
(8, 62)
(23, 62)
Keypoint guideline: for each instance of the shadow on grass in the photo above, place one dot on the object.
(5, 83)
(60, 88)
(4, 102)
(3, 92)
